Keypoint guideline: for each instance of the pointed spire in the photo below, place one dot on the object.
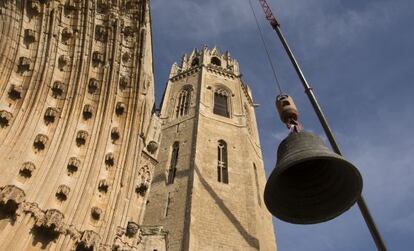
(227, 55)
(174, 70)
(215, 51)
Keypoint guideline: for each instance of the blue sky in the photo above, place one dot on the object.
(359, 58)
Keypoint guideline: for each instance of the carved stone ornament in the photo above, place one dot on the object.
(24, 64)
(53, 220)
(96, 213)
(87, 112)
(73, 165)
(81, 138)
(90, 239)
(67, 34)
(50, 115)
(15, 92)
(142, 189)
(34, 7)
(152, 147)
(29, 36)
(123, 83)
(109, 160)
(27, 169)
(40, 142)
(62, 193)
(11, 193)
(5, 118)
(132, 229)
(101, 34)
(120, 109)
(97, 58)
(93, 86)
(63, 62)
(57, 89)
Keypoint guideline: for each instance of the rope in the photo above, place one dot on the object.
(259, 29)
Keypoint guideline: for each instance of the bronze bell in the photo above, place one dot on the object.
(310, 183)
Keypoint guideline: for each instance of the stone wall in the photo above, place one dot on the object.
(78, 134)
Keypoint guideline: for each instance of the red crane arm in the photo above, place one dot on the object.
(269, 14)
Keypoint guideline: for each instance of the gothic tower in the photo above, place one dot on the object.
(78, 135)
(207, 188)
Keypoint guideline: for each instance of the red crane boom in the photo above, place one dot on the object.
(269, 14)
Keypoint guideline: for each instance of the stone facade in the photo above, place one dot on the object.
(204, 201)
(77, 125)
(87, 164)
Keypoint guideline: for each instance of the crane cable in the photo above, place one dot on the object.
(259, 29)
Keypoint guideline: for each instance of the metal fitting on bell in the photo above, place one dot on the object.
(310, 184)
(286, 108)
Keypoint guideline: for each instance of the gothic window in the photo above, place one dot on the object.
(172, 171)
(195, 62)
(216, 61)
(222, 163)
(183, 104)
(221, 103)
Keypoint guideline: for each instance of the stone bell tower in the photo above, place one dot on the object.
(207, 188)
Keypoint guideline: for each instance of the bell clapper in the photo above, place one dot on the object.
(288, 113)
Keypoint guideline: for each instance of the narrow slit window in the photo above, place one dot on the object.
(222, 163)
(172, 171)
(256, 176)
(221, 104)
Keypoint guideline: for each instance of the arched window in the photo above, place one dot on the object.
(183, 104)
(216, 61)
(222, 163)
(172, 171)
(195, 62)
(221, 103)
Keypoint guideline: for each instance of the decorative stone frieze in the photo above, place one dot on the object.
(52, 220)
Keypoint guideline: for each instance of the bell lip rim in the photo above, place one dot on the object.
(291, 220)
(332, 155)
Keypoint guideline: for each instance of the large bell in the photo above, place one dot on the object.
(310, 183)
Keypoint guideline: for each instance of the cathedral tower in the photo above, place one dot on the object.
(207, 188)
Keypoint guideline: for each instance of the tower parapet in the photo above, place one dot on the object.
(212, 59)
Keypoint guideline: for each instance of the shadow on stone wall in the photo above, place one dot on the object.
(251, 240)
